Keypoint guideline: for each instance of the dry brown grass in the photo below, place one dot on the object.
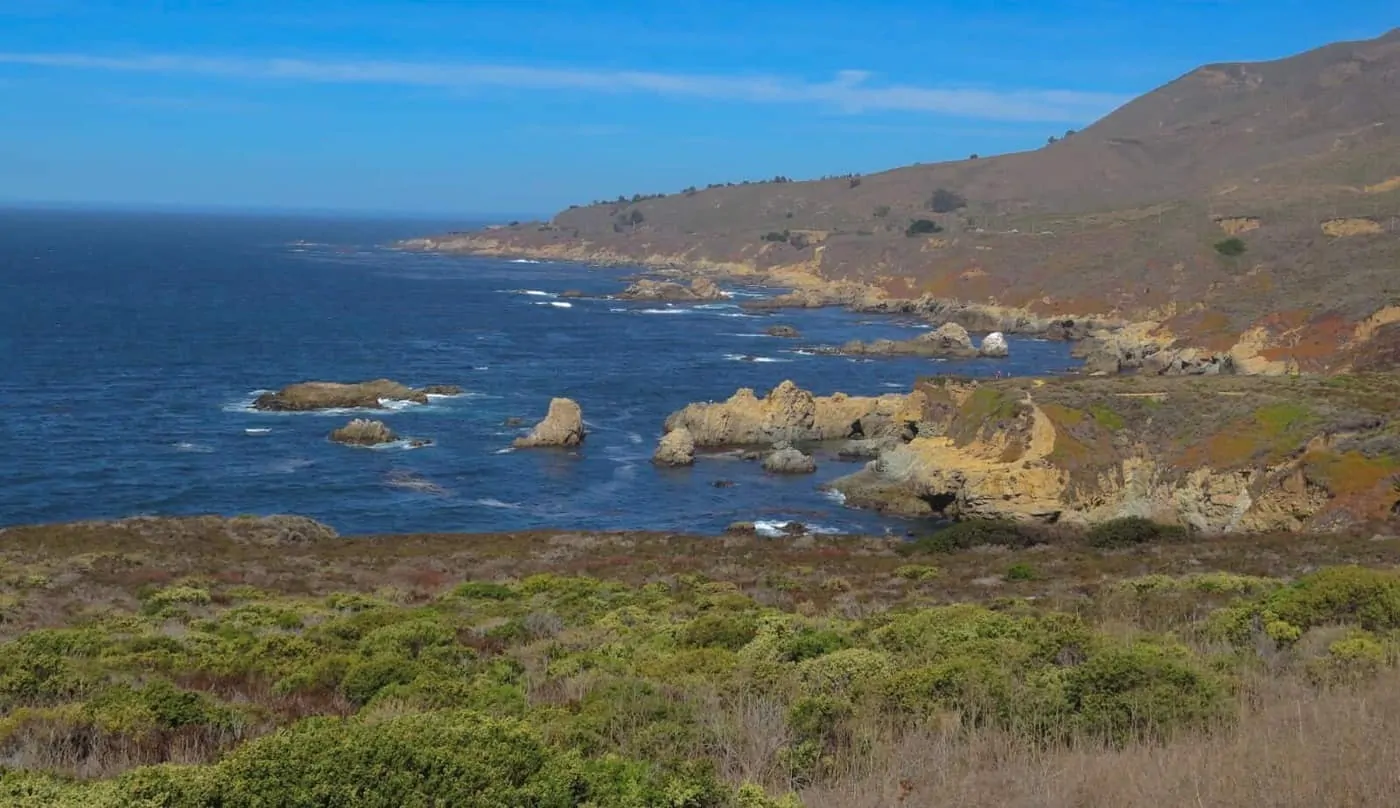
(1298, 749)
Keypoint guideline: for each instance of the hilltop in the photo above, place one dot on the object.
(1244, 209)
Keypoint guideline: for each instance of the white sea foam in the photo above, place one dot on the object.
(772, 528)
(395, 405)
(524, 261)
(665, 311)
(560, 304)
(746, 358)
(535, 293)
(748, 335)
(895, 385)
(496, 503)
(715, 306)
(634, 437)
(506, 450)
(835, 496)
(195, 448)
(256, 431)
(737, 314)
(403, 445)
(617, 310)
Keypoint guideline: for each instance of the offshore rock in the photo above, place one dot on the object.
(788, 460)
(677, 448)
(364, 432)
(562, 427)
(308, 396)
(789, 413)
(994, 346)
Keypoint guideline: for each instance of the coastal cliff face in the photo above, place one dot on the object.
(1239, 219)
(1226, 454)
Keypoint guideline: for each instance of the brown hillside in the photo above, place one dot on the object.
(1298, 158)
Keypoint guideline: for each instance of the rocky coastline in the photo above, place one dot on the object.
(1108, 344)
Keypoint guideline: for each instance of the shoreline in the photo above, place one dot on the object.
(1108, 345)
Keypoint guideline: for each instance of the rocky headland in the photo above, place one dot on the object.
(699, 290)
(1237, 220)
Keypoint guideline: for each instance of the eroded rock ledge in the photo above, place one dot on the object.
(789, 413)
(1226, 453)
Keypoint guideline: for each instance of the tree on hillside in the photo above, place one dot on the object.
(946, 201)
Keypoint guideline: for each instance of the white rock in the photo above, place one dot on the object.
(994, 344)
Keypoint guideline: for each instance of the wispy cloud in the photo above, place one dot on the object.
(850, 91)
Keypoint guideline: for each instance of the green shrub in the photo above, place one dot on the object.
(1021, 571)
(917, 572)
(447, 758)
(921, 227)
(810, 643)
(946, 201)
(1354, 596)
(485, 590)
(1230, 247)
(1130, 531)
(1144, 690)
(720, 630)
(976, 533)
(776, 235)
(364, 678)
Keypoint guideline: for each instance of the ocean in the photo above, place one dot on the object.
(133, 345)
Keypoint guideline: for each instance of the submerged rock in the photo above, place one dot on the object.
(308, 396)
(563, 427)
(785, 331)
(572, 293)
(994, 346)
(677, 448)
(364, 432)
(788, 460)
(442, 390)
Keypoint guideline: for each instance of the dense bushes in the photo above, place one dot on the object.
(1130, 531)
(920, 227)
(560, 690)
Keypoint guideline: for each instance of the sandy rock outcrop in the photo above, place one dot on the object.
(561, 427)
(788, 460)
(677, 448)
(308, 396)
(364, 432)
(789, 413)
(786, 331)
(699, 290)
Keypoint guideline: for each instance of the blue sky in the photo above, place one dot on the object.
(527, 106)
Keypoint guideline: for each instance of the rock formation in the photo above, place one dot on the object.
(788, 460)
(562, 427)
(364, 432)
(786, 331)
(950, 341)
(308, 396)
(1226, 453)
(677, 448)
(789, 413)
(700, 289)
(994, 346)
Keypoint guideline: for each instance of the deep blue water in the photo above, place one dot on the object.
(132, 344)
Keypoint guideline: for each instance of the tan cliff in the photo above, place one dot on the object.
(1222, 454)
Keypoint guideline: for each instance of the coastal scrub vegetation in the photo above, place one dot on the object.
(1230, 247)
(203, 662)
(920, 227)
